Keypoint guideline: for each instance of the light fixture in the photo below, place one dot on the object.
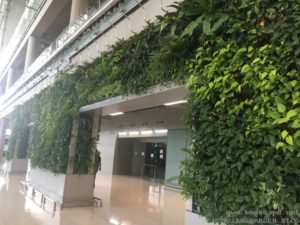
(133, 133)
(116, 114)
(122, 133)
(162, 131)
(8, 132)
(176, 102)
(146, 132)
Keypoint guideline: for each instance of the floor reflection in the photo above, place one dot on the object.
(136, 201)
(126, 201)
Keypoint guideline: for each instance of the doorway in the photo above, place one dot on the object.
(141, 157)
(155, 161)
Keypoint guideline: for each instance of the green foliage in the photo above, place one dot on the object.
(242, 60)
(53, 113)
(130, 67)
(18, 141)
(245, 111)
(146, 59)
(85, 143)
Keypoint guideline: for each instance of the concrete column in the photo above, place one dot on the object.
(3, 126)
(95, 132)
(32, 51)
(72, 146)
(78, 7)
(10, 78)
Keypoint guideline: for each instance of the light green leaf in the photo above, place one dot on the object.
(234, 84)
(296, 124)
(272, 74)
(206, 27)
(263, 75)
(291, 114)
(281, 108)
(289, 140)
(284, 134)
(245, 68)
(263, 48)
(274, 115)
(280, 121)
(255, 60)
(297, 134)
(218, 103)
(279, 145)
(293, 83)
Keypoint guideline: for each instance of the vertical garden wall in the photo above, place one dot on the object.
(243, 165)
(241, 59)
(18, 142)
(155, 58)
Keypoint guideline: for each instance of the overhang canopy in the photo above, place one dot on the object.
(154, 97)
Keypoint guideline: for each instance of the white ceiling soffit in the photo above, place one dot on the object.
(155, 96)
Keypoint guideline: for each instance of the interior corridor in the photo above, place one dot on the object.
(126, 201)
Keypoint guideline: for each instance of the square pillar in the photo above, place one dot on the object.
(78, 7)
(32, 51)
(10, 78)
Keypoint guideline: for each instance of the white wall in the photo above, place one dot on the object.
(66, 190)
(175, 154)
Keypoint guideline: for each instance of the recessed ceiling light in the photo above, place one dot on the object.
(163, 131)
(133, 133)
(176, 102)
(116, 114)
(146, 132)
(122, 134)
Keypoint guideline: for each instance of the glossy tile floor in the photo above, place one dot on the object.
(126, 201)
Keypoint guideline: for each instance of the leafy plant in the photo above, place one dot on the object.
(83, 157)
(130, 67)
(244, 114)
(241, 60)
(18, 141)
